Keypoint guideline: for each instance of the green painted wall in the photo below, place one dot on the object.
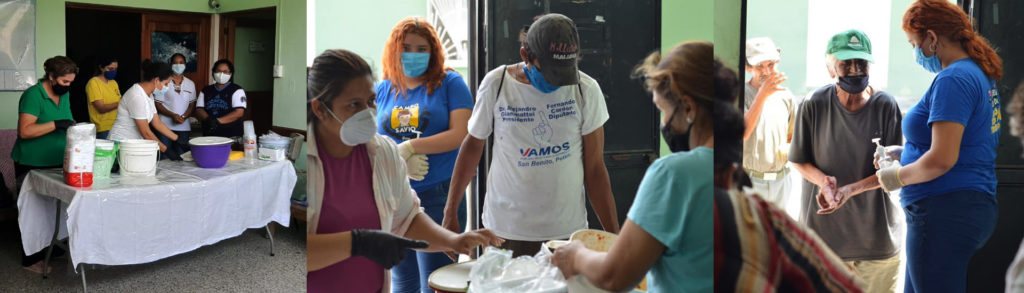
(683, 21)
(727, 31)
(239, 5)
(361, 26)
(257, 66)
(290, 91)
(177, 5)
(49, 23)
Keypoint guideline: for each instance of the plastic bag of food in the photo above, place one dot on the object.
(79, 154)
(496, 271)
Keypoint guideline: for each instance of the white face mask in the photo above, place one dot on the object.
(221, 78)
(178, 68)
(358, 129)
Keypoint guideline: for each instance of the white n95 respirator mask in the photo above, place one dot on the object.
(358, 129)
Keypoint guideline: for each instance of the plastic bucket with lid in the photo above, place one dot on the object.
(106, 152)
(138, 157)
(211, 151)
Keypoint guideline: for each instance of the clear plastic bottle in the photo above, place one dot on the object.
(883, 158)
(249, 141)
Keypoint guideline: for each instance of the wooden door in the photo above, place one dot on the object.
(181, 24)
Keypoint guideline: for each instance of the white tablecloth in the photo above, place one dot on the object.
(120, 221)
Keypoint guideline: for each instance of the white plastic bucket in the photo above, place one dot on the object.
(137, 157)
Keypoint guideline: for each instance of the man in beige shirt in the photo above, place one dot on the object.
(769, 115)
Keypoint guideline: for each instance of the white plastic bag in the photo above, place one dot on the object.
(496, 271)
(79, 154)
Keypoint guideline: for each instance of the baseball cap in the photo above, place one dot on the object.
(760, 50)
(553, 40)
(850, 44)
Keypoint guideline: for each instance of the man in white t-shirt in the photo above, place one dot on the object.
(547, 119)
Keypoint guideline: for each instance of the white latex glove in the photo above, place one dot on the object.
(405, 150)
(893, 151)
(889, 177)
(417, 166)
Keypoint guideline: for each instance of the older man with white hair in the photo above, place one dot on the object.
(769, 113)
(832, 148)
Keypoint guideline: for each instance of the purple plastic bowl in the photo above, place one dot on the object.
(211, 156)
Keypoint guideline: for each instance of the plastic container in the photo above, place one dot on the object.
(106, 152)
(249, 141)
(274, 147)
(210, 152)
(138, 157)
(79, 153)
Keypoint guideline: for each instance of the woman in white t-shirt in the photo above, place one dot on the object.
(137, 111)
(175, 107)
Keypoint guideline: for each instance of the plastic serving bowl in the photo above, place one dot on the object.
(210, 151)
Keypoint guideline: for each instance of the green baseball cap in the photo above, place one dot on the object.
(851, 44)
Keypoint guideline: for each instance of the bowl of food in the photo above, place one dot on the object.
(554, 244)
(598, 240)
(595, 240)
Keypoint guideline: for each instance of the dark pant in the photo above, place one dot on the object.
(20, 171)
(175, 148)
(943, 232)
(521, 248)
(411, 274)
(103, 134)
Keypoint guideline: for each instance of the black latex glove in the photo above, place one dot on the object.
(63, 124)
(381, 247)
(211, 124)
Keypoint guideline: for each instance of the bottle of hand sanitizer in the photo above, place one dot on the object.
(883, 158)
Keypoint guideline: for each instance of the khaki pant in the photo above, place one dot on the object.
(878, 275)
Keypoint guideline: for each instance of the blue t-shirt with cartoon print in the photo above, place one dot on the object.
(398, 117)
(960, 93)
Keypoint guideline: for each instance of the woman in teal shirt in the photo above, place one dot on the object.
(44, 115)
(669, 227)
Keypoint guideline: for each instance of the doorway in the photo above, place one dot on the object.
(247, 38)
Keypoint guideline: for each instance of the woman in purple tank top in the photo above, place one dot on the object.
(361, 207)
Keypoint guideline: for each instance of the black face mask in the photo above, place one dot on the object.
(59, 90)
(853, 84)
(676, 142)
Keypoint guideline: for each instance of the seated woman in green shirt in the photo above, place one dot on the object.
(668, 232)
(44, 115)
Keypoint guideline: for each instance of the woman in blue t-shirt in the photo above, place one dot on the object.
(947, 166)
(425, 107)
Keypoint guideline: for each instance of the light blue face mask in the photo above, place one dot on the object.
(414, 64)
(538, 81)
(932, 64)
(161, 92)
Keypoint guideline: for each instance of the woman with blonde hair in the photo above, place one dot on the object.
(424, 107)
